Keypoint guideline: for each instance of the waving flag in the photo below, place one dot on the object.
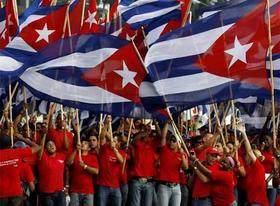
(103, 74)
(75, 17)
(212, 60)
(91, 20)
(143, 12)
(11, 24)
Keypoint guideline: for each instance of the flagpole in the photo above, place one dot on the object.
(26, 112)
(184, 20)
(9, 102)
(51, 108)
(100, 128)
(219, 123)
(11, 116)
(83, 13)
(78, 134)
(271, 76)
(127, 143)
(177, 132)
(209, 120)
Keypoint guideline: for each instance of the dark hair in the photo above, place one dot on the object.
(5, 142)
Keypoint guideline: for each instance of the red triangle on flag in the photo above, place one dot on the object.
(121, 74)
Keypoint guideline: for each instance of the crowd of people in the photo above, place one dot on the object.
(48, 164)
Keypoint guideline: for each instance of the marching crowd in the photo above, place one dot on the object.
(137, 164)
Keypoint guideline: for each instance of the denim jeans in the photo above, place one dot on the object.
(53, 199)
(78, 199)
(124, 191)
(271, 195)
(141, 193)
(169, 196)
(184, 195)
(11, 201)
(108, 194)
(201, 202)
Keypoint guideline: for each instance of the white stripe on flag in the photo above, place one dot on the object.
(155, 34)
(64, 91)
(20, 44)
(122, 8)
(247, 100)
(151, 15)
(184, 46)
(182, 84)
(2, 26)
(9, 64)
(83, 60)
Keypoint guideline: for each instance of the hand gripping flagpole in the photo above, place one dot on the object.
(271, 76)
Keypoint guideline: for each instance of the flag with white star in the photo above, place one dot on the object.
(98, 72)
(90, 24)
(215, 59)
(11, 24)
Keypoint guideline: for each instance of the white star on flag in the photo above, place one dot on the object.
(91, 18)
(127, 76)
(44, 33)
(238, 52)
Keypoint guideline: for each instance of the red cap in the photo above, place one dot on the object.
(211, 150)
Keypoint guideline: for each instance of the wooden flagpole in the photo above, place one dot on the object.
(11, 116)
(26, 112)
(9, 102)
(127, 143)
(271, 76)
(78, 134)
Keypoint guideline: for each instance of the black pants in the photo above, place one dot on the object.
(11, 201)
(53, 199)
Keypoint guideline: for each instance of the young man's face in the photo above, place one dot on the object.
(50, 147)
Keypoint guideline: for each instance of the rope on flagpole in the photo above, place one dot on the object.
(271, 76)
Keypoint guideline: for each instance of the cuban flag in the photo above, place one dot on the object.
(143, 12)
(2, 20)
(103, 74)
(91, 21)
(212, 60)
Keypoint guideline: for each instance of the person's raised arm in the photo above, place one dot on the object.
(248, 148)
(164, 134)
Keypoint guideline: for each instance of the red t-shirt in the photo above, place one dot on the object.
(144, 157)
(255, 183)
(200, 189)
(222, 188)
(26, 174)
(80, 180)
(170, 164)
(51, 173)
(57, 136)
(268, 162)
(109, 171)
(10, 162)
